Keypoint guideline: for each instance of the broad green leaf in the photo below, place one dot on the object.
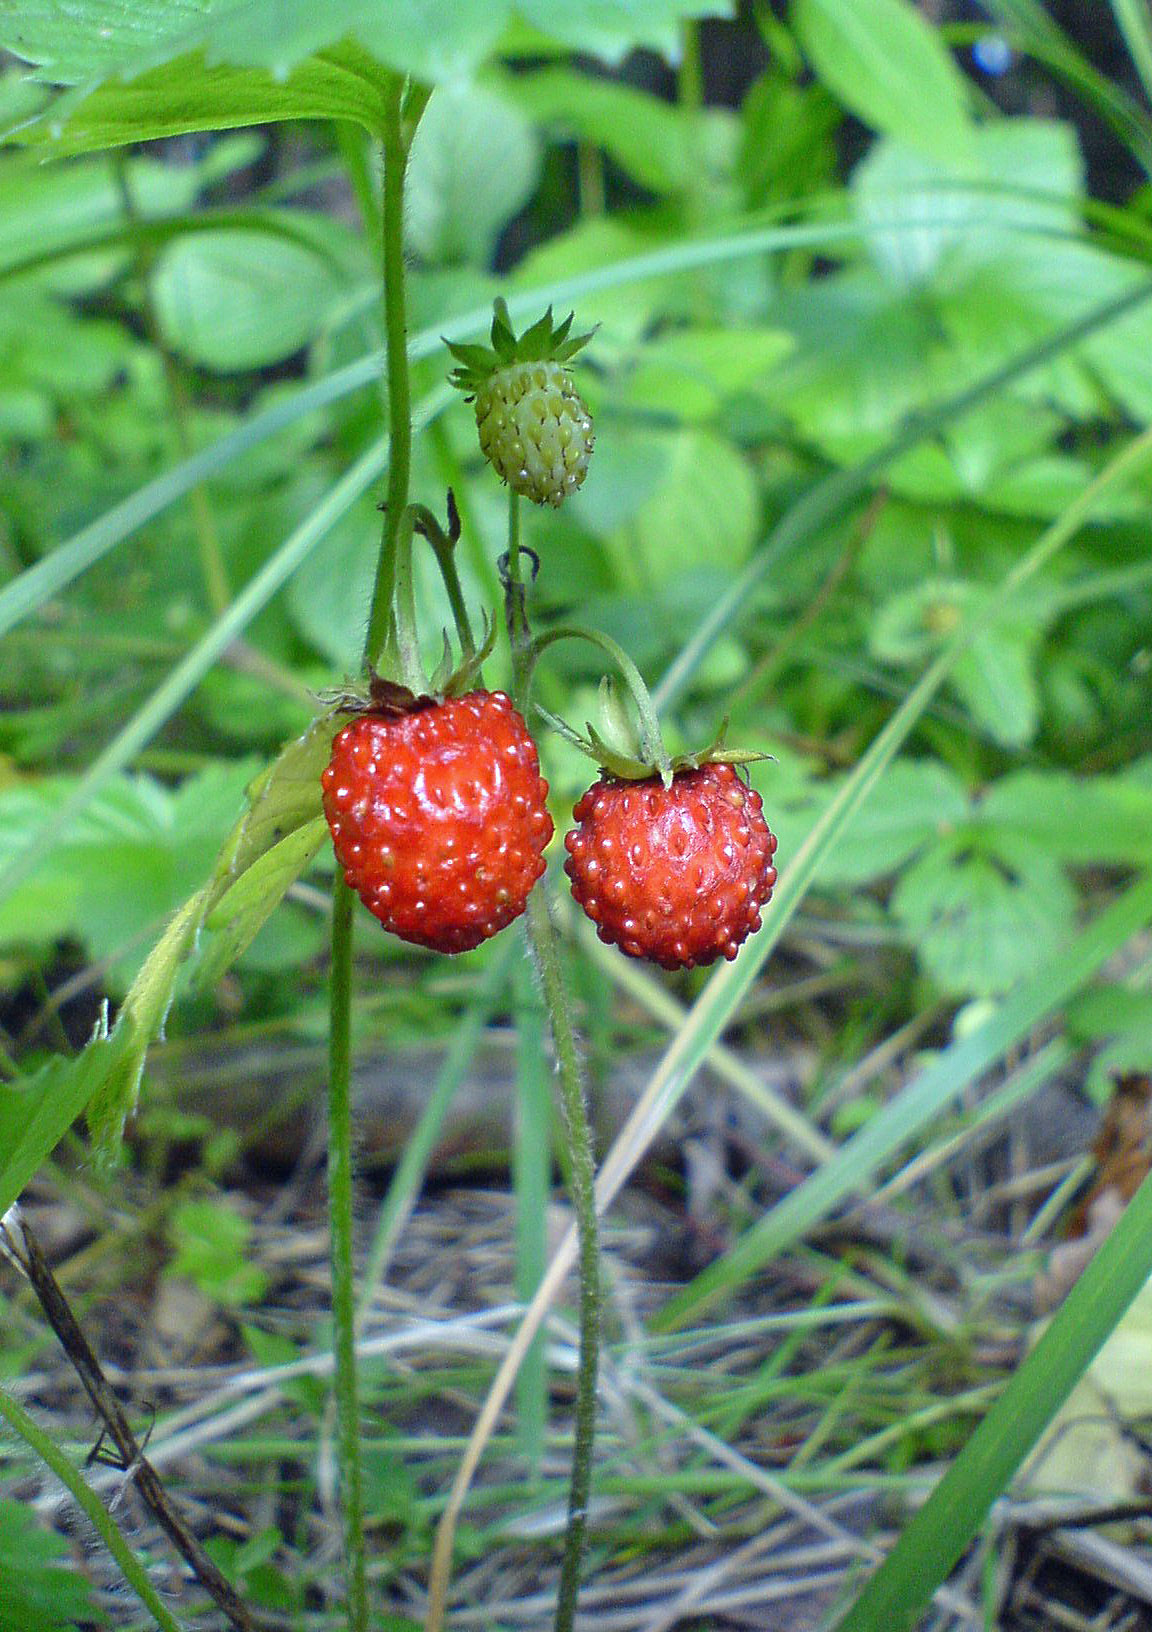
(980, 925)
(913, 804)
(996, 680)
(282, 800)
(233, 301)
(627, 470)
(1082, 820)
(864, 358)
(190, 95)
(994, 677)
(85, 39)
(787, 148)
(1020, 175)
(593, 246)
(991, 301)
(40, 1588)
(127, 862)
(414, 36)
(46, 345)
(141, 1018)
(474, 164)
(330, 595)
(612, 28)
(37, 1111)
(246, 906)
(210, 1246)
(53, 209)
(704, 512)
(646, 136)
(890, 68)
(79, 44)
(690, 372)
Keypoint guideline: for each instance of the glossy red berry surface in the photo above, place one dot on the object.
(438, 818)
(676, 875)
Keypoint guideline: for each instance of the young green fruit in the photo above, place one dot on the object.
(535, 430)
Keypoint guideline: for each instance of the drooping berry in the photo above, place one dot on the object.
(676, 875)
(438, 817)
(535, 430)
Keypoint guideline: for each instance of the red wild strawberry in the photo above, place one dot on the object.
(676, 875)
(438, 817)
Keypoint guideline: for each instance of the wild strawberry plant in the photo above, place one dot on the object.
(867, 480)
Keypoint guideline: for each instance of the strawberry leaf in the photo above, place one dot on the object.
(35, 1114)
(982, 922)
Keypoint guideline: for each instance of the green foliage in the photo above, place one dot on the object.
(474, 164)
(37, 1111)
(235, 300)
(38, 1585)
(128, 862)
(823, 449)
(209, 1246)
(885, 62)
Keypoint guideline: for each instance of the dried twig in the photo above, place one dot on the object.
(29, 1255)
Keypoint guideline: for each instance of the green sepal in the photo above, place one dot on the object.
(467, 673)
(474, 357)
(503, 335)
(609, 748)
(542, 342)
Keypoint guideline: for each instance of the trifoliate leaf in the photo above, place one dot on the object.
(981, 922)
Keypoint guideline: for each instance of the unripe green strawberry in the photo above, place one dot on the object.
(535, 430)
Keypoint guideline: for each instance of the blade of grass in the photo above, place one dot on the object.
(944, 1526)
(90, 1504)
(1136, 27)
(55, 572)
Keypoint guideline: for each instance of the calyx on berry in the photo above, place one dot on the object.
(632, 755)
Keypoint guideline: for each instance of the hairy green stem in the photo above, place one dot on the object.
(405, 650)
(518, 637)
(651, 737)
(340, 1250)
(90, 1504)
(444, 549)
(542, 942)
(396, 141)
(400, 123)
(542, 939)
